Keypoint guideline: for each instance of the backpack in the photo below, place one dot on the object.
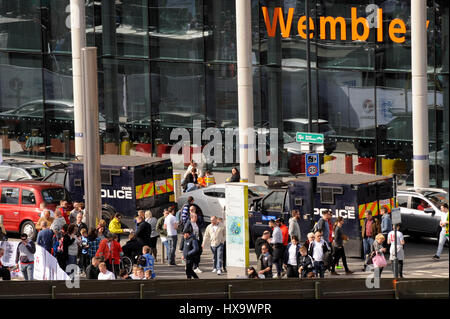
(318, 226)
(142, 261)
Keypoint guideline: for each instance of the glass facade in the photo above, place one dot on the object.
(165, 63)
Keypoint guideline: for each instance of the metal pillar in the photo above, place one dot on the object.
(91, 158)
(78, 34)
(245, 90)
(419, 93)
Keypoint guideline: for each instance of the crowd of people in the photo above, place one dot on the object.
(324, 246)
(97, 252)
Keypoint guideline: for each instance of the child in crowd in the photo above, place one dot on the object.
(306, 265)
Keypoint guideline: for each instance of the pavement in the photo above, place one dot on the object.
(417, 264)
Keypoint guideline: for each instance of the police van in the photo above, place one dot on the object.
(128, 184)
(346, 195)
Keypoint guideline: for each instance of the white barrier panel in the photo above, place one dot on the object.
(46, 266)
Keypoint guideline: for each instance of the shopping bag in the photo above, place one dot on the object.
(379, 261)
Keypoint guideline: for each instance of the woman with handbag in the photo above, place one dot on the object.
(377, 255)
(338, 246)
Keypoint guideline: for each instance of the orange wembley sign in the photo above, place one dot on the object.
(396, 29)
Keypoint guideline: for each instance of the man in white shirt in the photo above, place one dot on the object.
(443, 236)
(171, 225)
(317, 250)
(278, 248)
(105, 274)
(215, 234)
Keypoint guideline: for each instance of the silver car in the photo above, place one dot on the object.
(420, 211)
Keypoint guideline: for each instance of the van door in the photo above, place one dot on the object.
(9, 208)
(272, 205)
(422, 222)
(29, 210)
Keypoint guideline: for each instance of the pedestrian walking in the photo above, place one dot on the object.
(45, 237)
(163, 235)
(265, 262)
(305, 263)
(93, 243)
(170, 224)
(294, 226)
(278, 247)
(70, 245)
(400, 250)
(215, 235)
(79, 223)
(154, 235)
(143, 231)
(292, 258)
(386, 223)
(25, 256)
(443, 235)
(5, 272)
(190, 251)
(338, 246)
(318, 250)
(370, 228)
(194, 228)
(263, 240)
(377, 255)
(84, 248)
(58, 224)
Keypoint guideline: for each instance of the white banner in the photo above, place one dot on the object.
(45, 265)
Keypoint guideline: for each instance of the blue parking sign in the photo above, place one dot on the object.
(312, 165)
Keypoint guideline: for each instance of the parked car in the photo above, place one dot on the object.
(211, 200)
(420, 211)
(12, 170)
(20, 203)
(59, 113)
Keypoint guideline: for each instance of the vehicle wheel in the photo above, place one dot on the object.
(29, 228)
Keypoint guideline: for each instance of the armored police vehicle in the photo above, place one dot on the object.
(128, 184)
(346, 195)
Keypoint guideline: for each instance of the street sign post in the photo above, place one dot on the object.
(314, 138)
(312, 165)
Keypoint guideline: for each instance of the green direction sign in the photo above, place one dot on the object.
(315, 138)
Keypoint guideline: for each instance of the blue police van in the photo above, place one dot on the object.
(128, 184)
(346, 195)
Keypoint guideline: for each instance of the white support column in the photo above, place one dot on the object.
(419, 93)
(245, 90)
(91, 157)
(78, 35)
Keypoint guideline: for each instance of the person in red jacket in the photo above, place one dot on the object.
(111, 251)
(284, 231)
(64, 209)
